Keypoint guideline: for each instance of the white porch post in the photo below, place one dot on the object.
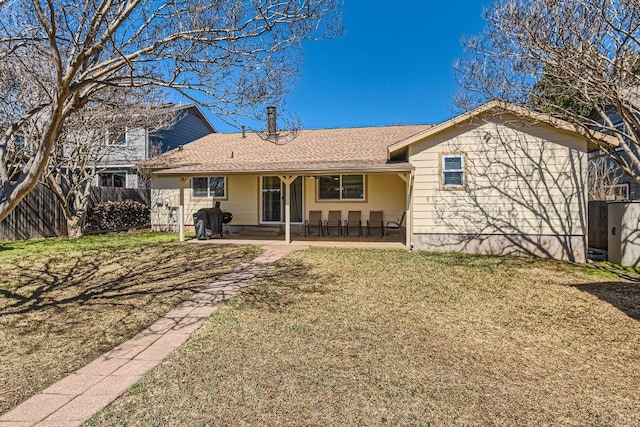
(409, 216)
(183, 181)
(408, 179)
(287, 207)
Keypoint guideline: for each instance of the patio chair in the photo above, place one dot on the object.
(335, 220)
(395, 226)
(375, 221)
(315, 220)
(353, 221)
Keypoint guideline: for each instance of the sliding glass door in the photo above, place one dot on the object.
(273, 200)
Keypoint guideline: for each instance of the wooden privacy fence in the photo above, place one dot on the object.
(40, 215)
(597, 225)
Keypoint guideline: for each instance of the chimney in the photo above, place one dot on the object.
(271, 122)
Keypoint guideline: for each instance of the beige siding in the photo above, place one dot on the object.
(242, 201)
(165, 193)
(384, 192)
(521, 179)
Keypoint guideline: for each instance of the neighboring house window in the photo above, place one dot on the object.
(112, 179)
(117, 136)
(617, 191)
(213, 187)
(19, 141)
(341, 187)
(453, 170)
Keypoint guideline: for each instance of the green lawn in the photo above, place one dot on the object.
(373, 337)
(63, 302)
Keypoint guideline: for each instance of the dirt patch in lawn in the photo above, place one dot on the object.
(371, 337)
(62, 304)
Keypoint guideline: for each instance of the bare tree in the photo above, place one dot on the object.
(57, 57)
(576, 59)
(603, 176)
(90, 138)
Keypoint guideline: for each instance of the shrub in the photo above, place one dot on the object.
(113, 215)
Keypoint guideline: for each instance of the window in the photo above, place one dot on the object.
(19, 141)
(453, 170)
(341, 187)
(214, 187)
(112, 179)
(117, 136)
(617, 191)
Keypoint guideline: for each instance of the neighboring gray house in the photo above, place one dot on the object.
(131, 146)
(616, 184)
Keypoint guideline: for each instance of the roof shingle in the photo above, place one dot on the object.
(307, 150)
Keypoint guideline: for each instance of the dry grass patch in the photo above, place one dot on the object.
(369, 337)
(63, 302)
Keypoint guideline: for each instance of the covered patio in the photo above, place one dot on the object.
(283, 204)
(272, 183)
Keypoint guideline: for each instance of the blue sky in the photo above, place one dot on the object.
(393, 65)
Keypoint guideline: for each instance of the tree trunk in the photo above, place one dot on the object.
(74, 227)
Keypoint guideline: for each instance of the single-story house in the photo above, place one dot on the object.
(498, 179)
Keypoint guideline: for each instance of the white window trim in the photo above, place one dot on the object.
(461, 156)
(19, 145)
(624, 185)
(110, 141)
(122, 173)
(209, 196)
(340, 198)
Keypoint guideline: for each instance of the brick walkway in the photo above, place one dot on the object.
(74, 399)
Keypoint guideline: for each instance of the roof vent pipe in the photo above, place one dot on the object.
(244, 134)
(271, 122)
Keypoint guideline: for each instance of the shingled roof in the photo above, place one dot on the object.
(321, 150)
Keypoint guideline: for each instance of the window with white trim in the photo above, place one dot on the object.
(617, 191)
(117, 136)
(453, 170)
(112, 179)
(19, 141)
(213, 187)
(341, 187)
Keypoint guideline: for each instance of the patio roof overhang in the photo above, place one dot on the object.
(191, 171)
(183, 172)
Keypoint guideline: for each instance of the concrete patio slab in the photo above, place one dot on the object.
(389, 242)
